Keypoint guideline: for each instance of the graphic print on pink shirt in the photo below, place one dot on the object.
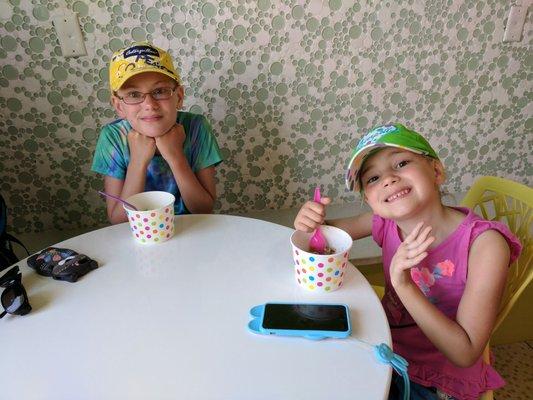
(425, 279)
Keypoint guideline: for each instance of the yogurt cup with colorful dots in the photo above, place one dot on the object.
(154, 220)
(317, 272)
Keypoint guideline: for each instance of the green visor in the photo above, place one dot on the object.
(395, 135)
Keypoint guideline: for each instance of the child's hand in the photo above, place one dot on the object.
(170, 144)
(142, 148)
(311, 215)
(409, 254)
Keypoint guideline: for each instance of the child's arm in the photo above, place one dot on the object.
(142, 150)
(312, 215)
(461, 340)
(358, 227)
(198, 190)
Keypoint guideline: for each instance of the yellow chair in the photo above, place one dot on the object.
(372, 269)
(499, 199)
(509, 202)
(496, 199)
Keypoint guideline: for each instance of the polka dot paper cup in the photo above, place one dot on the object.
(316, 272)
(154, 222)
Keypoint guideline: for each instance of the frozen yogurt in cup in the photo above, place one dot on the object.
(154, 220)
(321, 272)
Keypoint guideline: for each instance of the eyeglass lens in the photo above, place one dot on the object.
(15, 301)
(136, 97)
(14, 297)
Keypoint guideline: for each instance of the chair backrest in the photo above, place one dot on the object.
(509, 202)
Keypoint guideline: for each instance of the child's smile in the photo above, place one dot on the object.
(152, 118)
(398, 195)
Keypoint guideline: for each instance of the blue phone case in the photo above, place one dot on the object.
(258, 313)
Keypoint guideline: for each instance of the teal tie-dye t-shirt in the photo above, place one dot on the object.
(112, 154)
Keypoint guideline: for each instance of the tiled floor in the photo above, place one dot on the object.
(515, 363)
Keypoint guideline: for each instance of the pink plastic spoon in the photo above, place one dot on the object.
(119, 199)
(317, 243)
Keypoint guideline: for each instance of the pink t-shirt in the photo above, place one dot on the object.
(441, 276)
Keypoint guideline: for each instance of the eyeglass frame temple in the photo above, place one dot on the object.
(11, 275)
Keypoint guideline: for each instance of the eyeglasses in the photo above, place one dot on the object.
(14, 297)
(136, 97)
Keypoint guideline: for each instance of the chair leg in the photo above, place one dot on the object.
(372, 270)
(489, 394)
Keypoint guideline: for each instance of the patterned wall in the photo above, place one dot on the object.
(287, 85)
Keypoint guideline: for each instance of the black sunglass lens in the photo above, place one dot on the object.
(24, 309)
(15, 301)
(8, 299)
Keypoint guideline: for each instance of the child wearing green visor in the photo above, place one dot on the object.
(445, 267)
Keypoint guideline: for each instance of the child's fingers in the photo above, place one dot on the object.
(325, 200)
(423, 234)
(308, 220)
(422, 247)
(413, 262)
(312, 220)
(305, 224)
(426, 243)
(311, 215)
(419, 239)
(414, 233)
(316, 208)
(318, 218)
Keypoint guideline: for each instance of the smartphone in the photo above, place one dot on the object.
(315, 321)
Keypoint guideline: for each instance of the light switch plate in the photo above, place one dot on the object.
(69, 34)
(515, 23)
(6, 10)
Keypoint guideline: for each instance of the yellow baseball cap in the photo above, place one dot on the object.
(138, 58)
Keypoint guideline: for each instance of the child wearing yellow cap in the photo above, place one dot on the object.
(445, 267)
(154, 145)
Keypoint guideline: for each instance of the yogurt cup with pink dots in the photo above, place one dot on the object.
(321, 272)
(154, 220)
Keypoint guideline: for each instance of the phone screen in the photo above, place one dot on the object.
(320, 317)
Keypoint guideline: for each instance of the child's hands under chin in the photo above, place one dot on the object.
(142, 148)
(409, 254)
(170, 145)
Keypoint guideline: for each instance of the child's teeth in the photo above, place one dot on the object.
(398, 195)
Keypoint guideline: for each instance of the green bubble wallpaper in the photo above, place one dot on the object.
(288, 86)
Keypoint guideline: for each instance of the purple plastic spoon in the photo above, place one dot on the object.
(129, 205)
(317, 243)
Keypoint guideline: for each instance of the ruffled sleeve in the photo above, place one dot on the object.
(474, 381)
(481, 226)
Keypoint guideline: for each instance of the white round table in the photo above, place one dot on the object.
(169, 321)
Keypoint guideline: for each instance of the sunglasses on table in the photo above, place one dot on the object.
(136, 97)
(14, 297)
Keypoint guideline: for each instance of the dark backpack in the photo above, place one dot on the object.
(7, 256)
